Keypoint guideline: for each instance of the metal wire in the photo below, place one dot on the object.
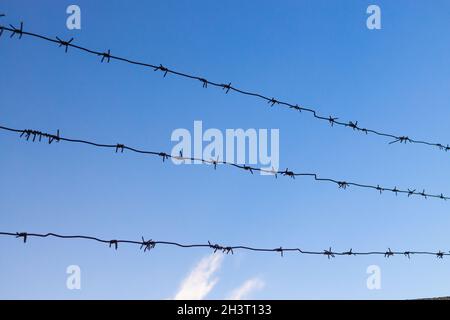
(106, 56)
(150, 244)
(35, 135)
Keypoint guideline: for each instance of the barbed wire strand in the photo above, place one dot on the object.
(33, 135)
(150, 244)
(106, 56)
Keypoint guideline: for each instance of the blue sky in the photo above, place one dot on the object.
(315, 53)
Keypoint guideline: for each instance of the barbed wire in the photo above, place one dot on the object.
(150, 244)
(35, 135)
(106, 56)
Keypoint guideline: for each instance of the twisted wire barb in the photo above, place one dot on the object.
(147, 245)
(35, 135)
(107, 57)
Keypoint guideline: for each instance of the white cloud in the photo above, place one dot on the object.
(246, 289)
(200, 281)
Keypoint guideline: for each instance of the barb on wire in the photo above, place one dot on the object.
(204, 82)
(349, 253)
(296, 107)
(34, 134)
(216, 247)
(107, 56)
(148, 245)
(247, 168)
(39, 135)
(164, 156)
(15, 30)
(329, 253)
(287, 173)
(342, 184)
(119, 147)
(113, 242)
(273, 102)
(401, 140)
(63, 43)
(226, 87)
(353, 125)
(215, 162)
(332, 120)
(163, 69)
(388, 253)
(22, 235)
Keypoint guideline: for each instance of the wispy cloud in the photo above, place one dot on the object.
(200, 281)
(246, 289)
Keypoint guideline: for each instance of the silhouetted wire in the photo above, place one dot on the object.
(150, 244)
(34, 135)
(106, 56)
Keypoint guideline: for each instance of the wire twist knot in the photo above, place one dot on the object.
(63, 43)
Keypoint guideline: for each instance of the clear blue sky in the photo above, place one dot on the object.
(315, 53)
